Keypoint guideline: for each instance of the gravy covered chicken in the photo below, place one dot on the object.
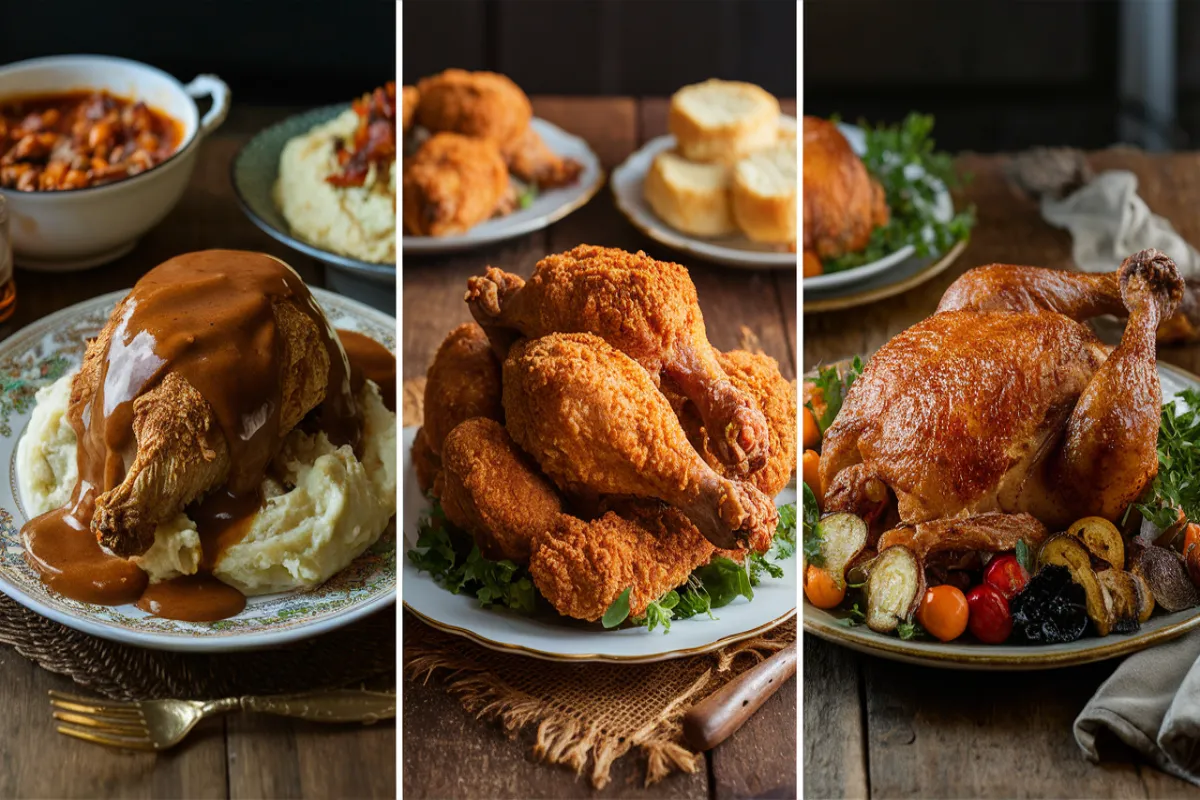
(75, 140)
(215, 411)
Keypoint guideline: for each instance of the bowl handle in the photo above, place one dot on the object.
(215, 88)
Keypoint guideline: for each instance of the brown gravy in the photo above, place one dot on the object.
(369, 359)
(209, 318)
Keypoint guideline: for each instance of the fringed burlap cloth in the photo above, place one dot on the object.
(124, 672)
(587, 715)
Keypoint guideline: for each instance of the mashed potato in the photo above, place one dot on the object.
(330, 507)
(355, 221)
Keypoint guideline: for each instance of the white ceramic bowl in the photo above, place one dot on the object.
(79, 228)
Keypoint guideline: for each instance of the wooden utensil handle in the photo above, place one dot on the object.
(714, 719)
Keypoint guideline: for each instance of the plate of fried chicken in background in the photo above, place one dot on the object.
(480, 168)
(564, 497)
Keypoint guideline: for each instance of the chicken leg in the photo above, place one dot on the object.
(596, 423)
(1110, 452)
(648, 310)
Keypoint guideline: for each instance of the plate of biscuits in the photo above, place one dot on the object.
(722, 185)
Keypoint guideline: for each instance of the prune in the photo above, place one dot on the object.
(1052, 608)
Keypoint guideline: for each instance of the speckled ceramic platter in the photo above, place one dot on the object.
(628, 181)
(46, 350)
(557, 638)
(1159, 628)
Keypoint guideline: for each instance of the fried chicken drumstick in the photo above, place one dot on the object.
(596, 424)
(648, 310)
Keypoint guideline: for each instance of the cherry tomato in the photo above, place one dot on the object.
(989, 620)
(821, 589)
(1007, 575)
(943, 612)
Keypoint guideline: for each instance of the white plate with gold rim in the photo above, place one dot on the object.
(53, 346)
(1161, 627)
(561, 639)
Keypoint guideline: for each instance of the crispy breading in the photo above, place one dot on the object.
(462, 382)
(453, 183)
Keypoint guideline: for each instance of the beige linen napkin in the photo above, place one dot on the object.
(1108, 221)
(1152, 704)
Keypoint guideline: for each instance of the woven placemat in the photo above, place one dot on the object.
(124, 672)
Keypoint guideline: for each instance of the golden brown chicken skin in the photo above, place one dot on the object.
(843, 204)
(410, 98)
(582, 567)
(462, 382)
(973, 412)
(492, 490)
(453, 183)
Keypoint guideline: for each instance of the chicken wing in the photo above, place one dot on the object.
(492, 490)
(582, 567)
(645, 308)
(462, 382)
(757, 375)
(531, 160)
(596, 424)
(452, 183)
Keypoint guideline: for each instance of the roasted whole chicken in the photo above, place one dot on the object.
(1003, 409)
(843, 204)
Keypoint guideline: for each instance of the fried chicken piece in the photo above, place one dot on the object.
(492, 490)
(462, 382)
(181, 449)
(645, 308)
(757, 375)
(596, 424)
(531, 160)
(582, 567)
(453, 183)
(426, 463)
(484, 105)
(410, 98)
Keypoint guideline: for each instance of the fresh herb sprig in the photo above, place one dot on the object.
(1177, 486)
(901, 157)
(814, 534)
(833, 385)
(456, 564)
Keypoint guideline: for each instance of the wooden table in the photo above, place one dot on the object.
(447, 753)
(879, 728)
(236, 756)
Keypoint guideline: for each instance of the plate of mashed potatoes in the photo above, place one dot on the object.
(317, 550)
(324, 183)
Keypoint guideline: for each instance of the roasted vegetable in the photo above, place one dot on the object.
(844, 537)
(1192, 560)
(1145, 597)
(943, 612)
(822, 589)
(1066, 551)
(1052, 609)
(894, 589)
(1123, 597)
(1163, 571)
(1101, 538)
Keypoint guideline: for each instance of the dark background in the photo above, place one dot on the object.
(1007, 74)
(641, 48)
(294, 52)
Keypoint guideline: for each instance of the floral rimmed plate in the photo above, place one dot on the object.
(49, 348)
(560, 639)
(1159, 628)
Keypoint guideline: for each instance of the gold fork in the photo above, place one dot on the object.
(161, 724)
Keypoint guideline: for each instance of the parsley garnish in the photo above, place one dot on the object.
(833, 386)
(1177, 485)
(892, 153)
(813, 535)
(457, 565)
